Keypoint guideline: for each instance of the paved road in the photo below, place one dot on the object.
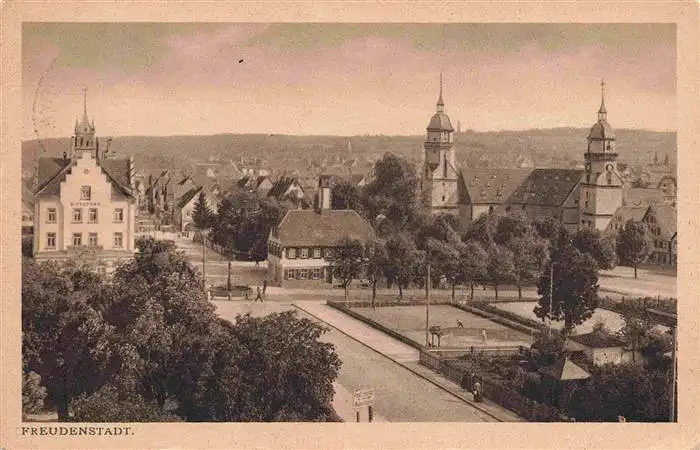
(401, 396)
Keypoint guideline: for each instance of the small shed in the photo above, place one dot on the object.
(560, 380)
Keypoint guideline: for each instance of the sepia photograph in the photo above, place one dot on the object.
(347, 222)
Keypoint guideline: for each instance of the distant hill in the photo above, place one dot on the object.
(559, 147)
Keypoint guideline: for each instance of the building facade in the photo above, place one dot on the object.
(301, 247)
(85, 208)
(577, 198)
(439, 175)
(661, 223)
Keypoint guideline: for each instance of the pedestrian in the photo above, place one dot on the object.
(264, 287)
(477, 391)
(483, 336)
(460, 324)
(259, 296)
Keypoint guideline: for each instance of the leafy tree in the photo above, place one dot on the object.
(634, 244)
(636, 330)
(529, 255)
(112, 404)
(393, 193)
(547, 228)
(481, 230)
(284, 372)
(33, 393)
(345, 195)
(509, 227)
(445, 259)
(473, 260)
(600, 246)
(202, 214)
(402, 260)
(548, 348)
(500, 268)
(348, 262)
(575, 283)
(65, 339)
(377, 260)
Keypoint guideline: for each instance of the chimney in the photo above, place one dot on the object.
(324, 193)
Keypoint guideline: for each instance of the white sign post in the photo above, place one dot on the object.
(362, 398)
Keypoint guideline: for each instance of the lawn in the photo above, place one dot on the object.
(409, 321)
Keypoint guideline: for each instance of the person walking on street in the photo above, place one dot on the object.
(264, 287)
(483, 336)
(259, 296)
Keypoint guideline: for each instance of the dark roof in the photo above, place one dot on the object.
(490, 185)
(279, 188)
(440, 122)
(550, 187)
(601, 130)
(625, 213)
(52, 171)
(187, 196)
(303, 227)
(597, 340)
(564, 369)
(260, 180)
(665, 216)
(641, 197)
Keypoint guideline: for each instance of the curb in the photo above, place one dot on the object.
(464, 399)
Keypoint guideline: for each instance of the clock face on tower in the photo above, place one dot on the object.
(609, 167)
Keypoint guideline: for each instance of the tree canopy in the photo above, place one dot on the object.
(634, 244)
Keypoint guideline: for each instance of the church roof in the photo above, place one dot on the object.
(304, 227)
(601, 130)
(440, 122)
(548, 187)
(490, 185)
(641, 196)
(52, 171)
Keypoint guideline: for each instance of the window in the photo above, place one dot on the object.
(317, 253)
(50, 240)
(102, 270)
(609, 177)
(85, 193)
(316, 274)
(291, 253)
(51, 215)
(92, 215)
(303, 274)
(92, 239)
(118, 240)
(304, 253)
(77, 215)
(289, 274)
(328, 253)
(588, 178)
(77, 239)
(118, 215)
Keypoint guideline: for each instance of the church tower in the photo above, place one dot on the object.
(601, 192)
(84, 140)
(439, 176)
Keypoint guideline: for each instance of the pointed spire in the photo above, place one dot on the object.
(440, 103)
(602, 113)
(85, 104)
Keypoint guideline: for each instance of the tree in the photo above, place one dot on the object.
(112, 404)
(634, 244)
(33, 393)
(348, 262)
(402, 260)
(345, 195)
(393, 193)
(202, 214)
(600, 246)
(473, 260)
(529, 255)
(500, 268)
(547, 228)
(445, 259)
(377, 261)
(636, 330)
(65, 339)
(575, 283)
(481, 230)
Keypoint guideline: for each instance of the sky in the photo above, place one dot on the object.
(343, 79)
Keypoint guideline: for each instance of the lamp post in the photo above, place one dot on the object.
(427, 305)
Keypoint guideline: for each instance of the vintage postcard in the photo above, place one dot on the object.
(416, 225)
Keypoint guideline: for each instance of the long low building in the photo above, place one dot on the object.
(301, 247)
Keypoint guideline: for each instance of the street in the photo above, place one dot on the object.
(401, 395)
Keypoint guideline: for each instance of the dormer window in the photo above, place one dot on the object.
(85, 193)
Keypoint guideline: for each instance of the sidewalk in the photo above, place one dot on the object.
(401, 354)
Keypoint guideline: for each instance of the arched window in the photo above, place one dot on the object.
(490, 209)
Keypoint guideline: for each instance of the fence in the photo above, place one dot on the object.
(624, 304)
(463, 374)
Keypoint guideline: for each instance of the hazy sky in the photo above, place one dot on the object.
(343, 79)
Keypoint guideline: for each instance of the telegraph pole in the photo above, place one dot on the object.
(427, 306)
(672, 406)
(551, 295)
